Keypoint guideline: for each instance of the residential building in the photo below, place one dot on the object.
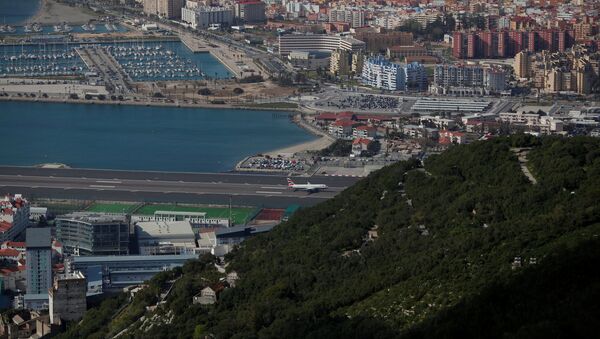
(356, 18)
(522, 64)
(415, 131)
(207, 16)
(360, 145)
(465, 79)
(400, 52)
(250, 11)
(165, 237)
(168, 9)
(84, 233)
(67, 297)
(14, 278)
(377, 42)
(14, 216)
(494, 79)
(534, 118)
(39, 267)
(208, 295)
(451, 137)
(341, 128)
(507, 43)
(381, 73)
(364, 132)
(340, 62)
(574, 70)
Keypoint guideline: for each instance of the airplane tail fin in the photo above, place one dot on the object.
(290, 182)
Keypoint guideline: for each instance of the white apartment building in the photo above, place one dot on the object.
(205, 16)
(467, 79)
(381, 73)
(535, 120)
(14, 216)
(356, 18)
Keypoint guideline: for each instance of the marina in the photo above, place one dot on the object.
(141, 61)
(40, 61)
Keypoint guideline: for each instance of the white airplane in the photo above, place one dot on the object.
(310, 188)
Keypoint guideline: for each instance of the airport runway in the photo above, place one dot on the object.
(207, 188)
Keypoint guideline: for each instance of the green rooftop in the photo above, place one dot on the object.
(111, 207)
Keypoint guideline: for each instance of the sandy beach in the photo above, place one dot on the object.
(315, 145)
(51, 12)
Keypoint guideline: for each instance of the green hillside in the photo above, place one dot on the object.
(442, 264)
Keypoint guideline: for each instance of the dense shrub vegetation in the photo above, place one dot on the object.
(442, 265)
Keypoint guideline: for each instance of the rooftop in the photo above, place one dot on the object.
(153, 229)
(91, 217)
(38, 237)
(121, 258)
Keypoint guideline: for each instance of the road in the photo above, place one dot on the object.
(207, 188)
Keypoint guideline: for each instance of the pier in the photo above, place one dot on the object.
(98, 59)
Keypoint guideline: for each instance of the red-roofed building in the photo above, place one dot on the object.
(342, 128)
(359, 145)
(450, 137)
(13, 278)
(14, 216)
(375, 117)
(57, 247)
(9, 254)
(326, 117)
(365, 132)
(15, 245)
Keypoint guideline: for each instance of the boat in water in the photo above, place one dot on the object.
(10, 29)
(64, 27)
(88, 27)
(37, 27)
(28, 28)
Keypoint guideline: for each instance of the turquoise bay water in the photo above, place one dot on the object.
(139, 137)
(15, 12)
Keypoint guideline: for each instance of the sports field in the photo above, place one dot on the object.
(238, 214)
(111, 207)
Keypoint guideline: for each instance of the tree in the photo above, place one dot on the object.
(238, 91)
(204, 91)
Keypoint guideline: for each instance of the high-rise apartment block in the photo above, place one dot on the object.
(169, 9)
(506, 44)
(250, 11)
(356, 18)
(381, 73)
(39, 267)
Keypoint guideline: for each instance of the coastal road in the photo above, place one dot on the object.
(206, 188)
